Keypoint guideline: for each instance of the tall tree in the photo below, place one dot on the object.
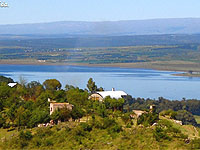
(91, 86)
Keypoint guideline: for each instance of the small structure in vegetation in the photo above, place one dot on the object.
(54, 106)
(138, 113)
(12, 84)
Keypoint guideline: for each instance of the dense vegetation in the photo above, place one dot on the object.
(191, 105)
(107, 125)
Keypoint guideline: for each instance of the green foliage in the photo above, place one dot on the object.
(63, 114)
(101, 110)
(69, 87)
(2, 120)
(166, 131)
(38, 116)
(77, 97)
(115, 104)
(27, 135)
(22, 117)
(182, 115)
(160, 134)
(126, 117)
(6, 80)
(24, 138)
(86, 127)
(169, 113)
(185, 117)
(195, 144)
(191, 105)
(52, 84)
(77, 113)
(147, 119)
(91, 86)
(34, 89)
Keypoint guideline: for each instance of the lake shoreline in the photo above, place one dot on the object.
(176, 66)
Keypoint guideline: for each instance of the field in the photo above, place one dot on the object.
(163, 52)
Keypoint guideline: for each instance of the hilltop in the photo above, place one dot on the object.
(89, 123)
(126, 27)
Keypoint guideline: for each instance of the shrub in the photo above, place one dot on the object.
(116, 128)
(185, 117)
(160, 134)
(108, 122)
(27, 135)
(48, 142)
(195, 144)
(147, 119)
(86, 127)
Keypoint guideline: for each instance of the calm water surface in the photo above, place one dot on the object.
(145, 83)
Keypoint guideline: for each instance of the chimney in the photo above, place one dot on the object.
(113, 89)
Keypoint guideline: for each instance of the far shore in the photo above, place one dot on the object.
(176, 66)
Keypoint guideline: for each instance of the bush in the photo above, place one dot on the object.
(195, 144)
(108, 123)
(115, 129)
(147, 119)
(2, 121)
(86, 127)
(27, 135)
(48, 142)
(169, 112)
(160, 134)
(186, 117)
(126, 118)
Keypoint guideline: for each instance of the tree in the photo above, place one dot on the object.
(5, 79)
(39, 115)
(186, 117)
(34, 89)
(115, 104)
(68, 87)
(100, 89)
(91, 86)
(77, 97)
(52, 84)
(147, 119)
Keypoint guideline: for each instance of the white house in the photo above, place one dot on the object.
(103, 94)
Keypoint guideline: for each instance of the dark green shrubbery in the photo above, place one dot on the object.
(147, 119)
(195, 144)
(182, 115)
(165, 131)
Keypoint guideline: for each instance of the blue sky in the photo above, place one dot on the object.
(34, 11)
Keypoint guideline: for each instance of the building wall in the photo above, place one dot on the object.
(55, 106)
(96, 97)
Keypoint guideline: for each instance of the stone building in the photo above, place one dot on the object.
(54, 106)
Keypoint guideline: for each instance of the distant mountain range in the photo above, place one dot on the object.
(111, 28)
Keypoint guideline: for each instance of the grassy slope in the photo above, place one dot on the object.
(67, 136)
(197, 118)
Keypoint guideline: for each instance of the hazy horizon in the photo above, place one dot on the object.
(36, 11)
(100, 20)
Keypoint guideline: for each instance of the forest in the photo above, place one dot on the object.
(25, 106)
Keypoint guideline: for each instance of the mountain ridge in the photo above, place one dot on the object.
(123, 27)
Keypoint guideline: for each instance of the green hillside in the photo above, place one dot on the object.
(91, 135)
(26, 122)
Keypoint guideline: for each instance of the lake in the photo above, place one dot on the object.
(144, 83)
